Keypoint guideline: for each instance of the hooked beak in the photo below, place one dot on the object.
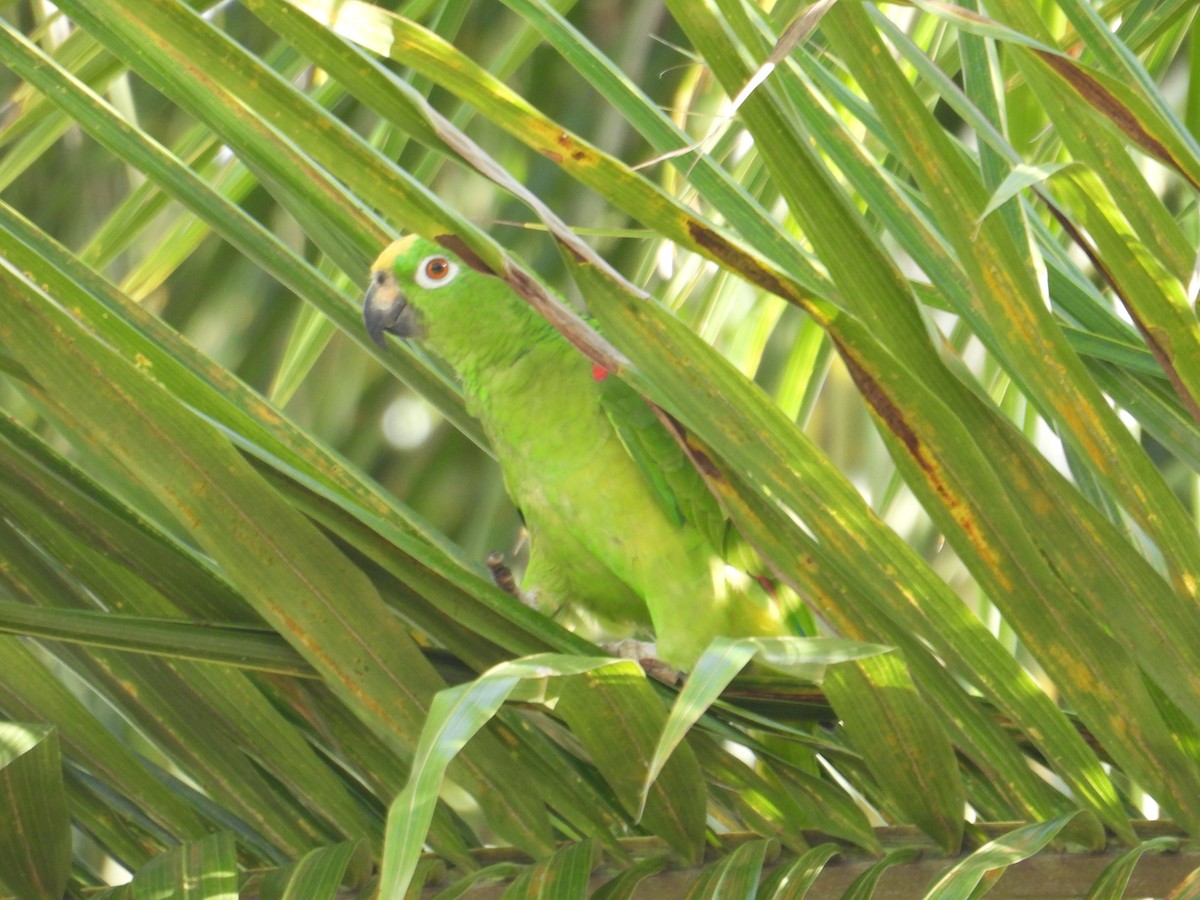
(385, 308)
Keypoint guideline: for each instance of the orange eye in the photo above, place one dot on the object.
(435, 272)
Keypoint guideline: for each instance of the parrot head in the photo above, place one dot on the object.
(404, 280)
(459, 311)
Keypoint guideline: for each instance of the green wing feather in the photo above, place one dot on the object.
(678, 486)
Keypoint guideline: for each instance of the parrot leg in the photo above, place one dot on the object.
(645, 654)
(505, 580)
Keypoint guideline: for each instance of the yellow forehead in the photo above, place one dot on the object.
(394, 249)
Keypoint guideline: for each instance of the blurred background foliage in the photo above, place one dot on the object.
(953, 245)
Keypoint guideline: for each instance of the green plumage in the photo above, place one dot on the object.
(620, 523)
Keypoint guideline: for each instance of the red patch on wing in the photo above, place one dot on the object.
(599, 373)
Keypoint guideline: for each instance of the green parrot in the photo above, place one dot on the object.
(620, 523)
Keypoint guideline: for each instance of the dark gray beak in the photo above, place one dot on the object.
(385, 308)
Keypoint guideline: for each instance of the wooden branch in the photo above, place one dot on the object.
(1056, 874)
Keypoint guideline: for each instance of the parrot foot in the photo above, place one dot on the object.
(503, 577)
(644, 653)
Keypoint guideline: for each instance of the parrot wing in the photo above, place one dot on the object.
(685, 497)
(676, 484)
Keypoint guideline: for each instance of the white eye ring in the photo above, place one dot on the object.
(435, 272)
